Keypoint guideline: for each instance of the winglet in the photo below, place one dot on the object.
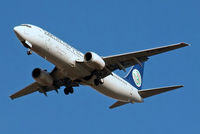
(184, 44)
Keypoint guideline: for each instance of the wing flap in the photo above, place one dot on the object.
(117, 104)
(27, 90)
(150, 92)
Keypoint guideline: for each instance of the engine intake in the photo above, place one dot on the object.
(36, 72)
(88, 56)
(42, 77)
(94, 61)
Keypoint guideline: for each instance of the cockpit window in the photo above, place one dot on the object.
(26, 25)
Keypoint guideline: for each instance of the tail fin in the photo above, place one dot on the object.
(135, 76)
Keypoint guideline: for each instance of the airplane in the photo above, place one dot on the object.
(73, 68)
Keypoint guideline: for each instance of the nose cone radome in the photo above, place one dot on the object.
(18, 29)
(19, 32)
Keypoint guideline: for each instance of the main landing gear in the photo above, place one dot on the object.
(98, 81)
(68, 90)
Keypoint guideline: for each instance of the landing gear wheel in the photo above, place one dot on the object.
(66, 91)
(101, 81)
(71, 90)
(29, 52)
(96, 82)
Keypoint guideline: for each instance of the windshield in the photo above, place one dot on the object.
(26, 25)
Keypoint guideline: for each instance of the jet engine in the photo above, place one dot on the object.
(94, 61)
(42, 77)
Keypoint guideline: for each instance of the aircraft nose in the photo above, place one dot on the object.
(17, 29)
(19, 32)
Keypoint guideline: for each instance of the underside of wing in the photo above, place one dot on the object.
(122, 61)
(59, 80)
(150, 92)
(57, 74)
(27, 90)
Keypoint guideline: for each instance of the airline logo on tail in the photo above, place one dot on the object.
(137, 77)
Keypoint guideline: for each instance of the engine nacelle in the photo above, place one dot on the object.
(42, 77)
(94, 61)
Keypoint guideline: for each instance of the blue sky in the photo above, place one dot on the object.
(107, 28)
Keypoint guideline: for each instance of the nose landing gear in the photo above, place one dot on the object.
(29, 52)
(27, 45)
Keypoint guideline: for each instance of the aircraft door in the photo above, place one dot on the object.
(47, 43)
(131, 92)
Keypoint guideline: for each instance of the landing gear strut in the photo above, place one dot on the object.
(98, 81)
(29, 52)
(68, 90)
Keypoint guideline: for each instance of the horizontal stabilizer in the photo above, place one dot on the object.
(117, 104)
(150, 92)
(27, 90)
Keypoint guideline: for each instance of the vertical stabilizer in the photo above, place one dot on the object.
(135, 76)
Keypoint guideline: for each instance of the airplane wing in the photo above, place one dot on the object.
(150, 92)
(56, 74)
(27, 90)
(123, 61)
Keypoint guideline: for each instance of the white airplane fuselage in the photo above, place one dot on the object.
(65, 57)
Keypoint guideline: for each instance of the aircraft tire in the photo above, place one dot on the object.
(71, 90)
(66, 91)
(96, 82)
(29, 52)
